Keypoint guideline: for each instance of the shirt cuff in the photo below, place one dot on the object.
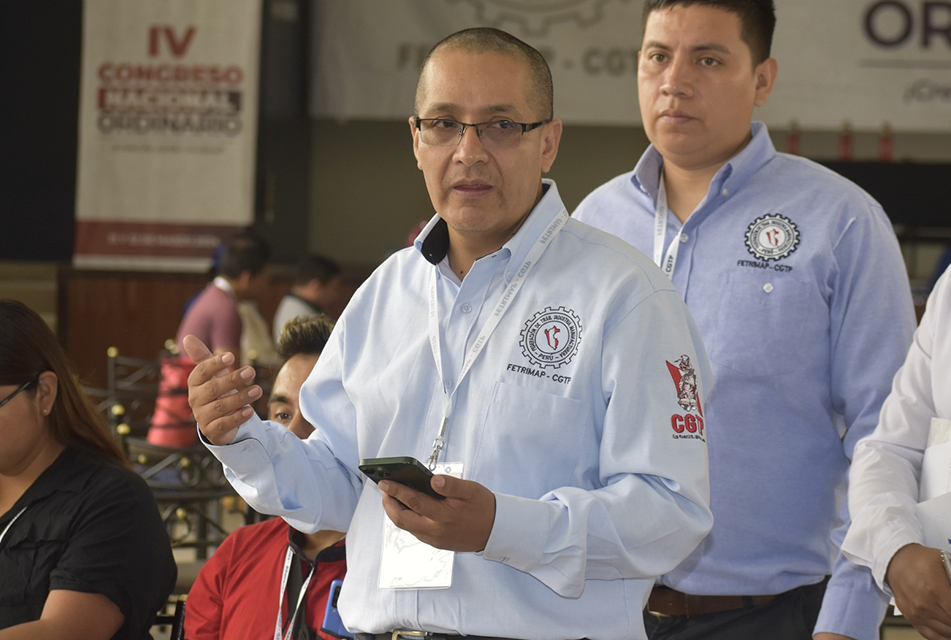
(520, 532)
(852, 609)
(246, 453)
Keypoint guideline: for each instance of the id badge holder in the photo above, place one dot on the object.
(406, 562)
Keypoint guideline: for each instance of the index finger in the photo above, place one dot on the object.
(410, 498)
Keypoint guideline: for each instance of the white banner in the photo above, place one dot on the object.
(864, 61)
(167, 133)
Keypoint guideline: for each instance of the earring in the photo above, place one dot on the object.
(46, 412)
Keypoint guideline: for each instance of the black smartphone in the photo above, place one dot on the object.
(405, 470)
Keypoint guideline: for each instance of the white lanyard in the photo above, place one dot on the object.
(669, 261)
(505, 301)
(288, 558)
(10, 524)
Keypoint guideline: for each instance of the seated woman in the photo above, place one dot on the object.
(83, 551)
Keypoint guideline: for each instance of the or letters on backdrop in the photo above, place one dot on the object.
(168, 126)
(865, 61)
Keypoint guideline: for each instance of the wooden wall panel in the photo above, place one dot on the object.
(135, 312)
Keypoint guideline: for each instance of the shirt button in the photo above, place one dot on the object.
(508, 276)
(684, 237)
(725, 192)
(643, 188)
(466, 308)
(448, 386)
(768, 288)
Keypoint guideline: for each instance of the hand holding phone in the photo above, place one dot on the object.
(405, 470)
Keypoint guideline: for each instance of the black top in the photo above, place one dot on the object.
(89, 526)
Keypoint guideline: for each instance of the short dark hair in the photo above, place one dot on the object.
(243, 252)
(304, 335)
(757, 17)
(487, 39)
(314, 267)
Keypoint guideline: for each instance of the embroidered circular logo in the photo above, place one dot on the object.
(551, 337)
(772, 237)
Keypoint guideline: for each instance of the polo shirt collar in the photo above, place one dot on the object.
(731, 176)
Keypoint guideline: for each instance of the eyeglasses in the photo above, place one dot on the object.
(498, 134)
(19, 389)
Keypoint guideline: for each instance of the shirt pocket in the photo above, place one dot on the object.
(532, 441)
(768, 323)
(33, 561)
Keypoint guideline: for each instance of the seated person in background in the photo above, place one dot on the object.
(315, 290)
(243, 274)
(236, 592)
(886, 535)
(83, 551)
(257, 346)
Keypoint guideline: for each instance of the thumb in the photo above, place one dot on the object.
(195, 349)
(449, 486)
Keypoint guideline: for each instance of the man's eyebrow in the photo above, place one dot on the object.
(280, 397)
(707, 46)
(712, 46)
(451, 106)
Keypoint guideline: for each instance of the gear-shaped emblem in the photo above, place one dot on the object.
(536, 16)
(551, 337)
(772, 237)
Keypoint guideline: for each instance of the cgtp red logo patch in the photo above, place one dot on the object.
(690, 423)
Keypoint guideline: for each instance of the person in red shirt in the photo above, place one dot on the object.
(252, 585)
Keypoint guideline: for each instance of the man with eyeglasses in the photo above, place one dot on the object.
(534, 362)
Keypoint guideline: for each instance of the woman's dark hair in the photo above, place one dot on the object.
(27, 349)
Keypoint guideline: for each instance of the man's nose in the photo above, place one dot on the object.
(678, 78)
(470, 148)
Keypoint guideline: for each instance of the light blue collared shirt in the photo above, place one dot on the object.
(581, 415)
(797, 283)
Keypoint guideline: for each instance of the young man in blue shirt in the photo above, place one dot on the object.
(796, 281)
(556, 366)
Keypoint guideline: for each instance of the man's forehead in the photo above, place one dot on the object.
(486, 82)
(293, 373)
(708, 22)
(697, 28)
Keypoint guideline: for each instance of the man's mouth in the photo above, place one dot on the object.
(471, 187)
(675, 116)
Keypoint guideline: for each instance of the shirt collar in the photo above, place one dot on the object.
(66, 474)
(335, 552)
(433, 241)
(225, 286)
(732, 175)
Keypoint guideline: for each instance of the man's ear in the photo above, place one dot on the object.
(765, 74)
(415, 132)
(552, 139)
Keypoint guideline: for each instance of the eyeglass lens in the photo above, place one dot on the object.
(448, 132)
